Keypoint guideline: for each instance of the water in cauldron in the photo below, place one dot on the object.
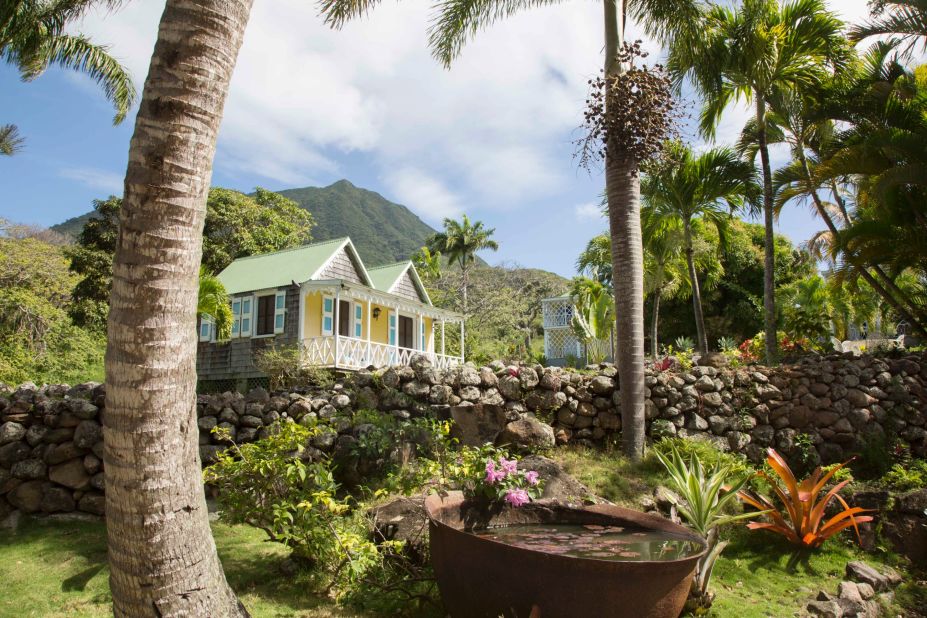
(594, 541)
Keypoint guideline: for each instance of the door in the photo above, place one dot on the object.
(344, 318)
(406, 332)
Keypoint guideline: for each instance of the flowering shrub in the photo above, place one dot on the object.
(487, 473)
(754, 349)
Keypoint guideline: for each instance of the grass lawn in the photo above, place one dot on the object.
(58, 568)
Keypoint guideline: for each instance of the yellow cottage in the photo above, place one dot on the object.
(341, 314)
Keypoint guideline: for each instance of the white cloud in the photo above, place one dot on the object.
(590, 211)
(423, 194)
(104, 180)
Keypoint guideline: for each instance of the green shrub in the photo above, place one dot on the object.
(275, 485)
(705, 452)
(904, 478)
(285, 369)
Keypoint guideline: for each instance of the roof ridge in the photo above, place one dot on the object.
(390, 265)
(321, 243)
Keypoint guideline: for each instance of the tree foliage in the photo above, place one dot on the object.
(38, 341)
(237, 225)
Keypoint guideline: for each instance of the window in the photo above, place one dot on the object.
(344, 318)
(205, 329)
(266, 306)
(406, 332)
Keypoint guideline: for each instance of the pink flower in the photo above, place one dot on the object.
(493, 475)
(517, 497)
(532, 477)
(509, 466)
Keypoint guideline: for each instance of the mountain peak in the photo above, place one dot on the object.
(343, 183)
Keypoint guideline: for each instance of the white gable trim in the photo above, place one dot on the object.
(348, 246)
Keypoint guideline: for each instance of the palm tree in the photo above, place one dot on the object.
(428, 264)
(807, 138)
(665, 270)
(213, 303)
(904, 20)
(759, 52)
(32, 37)
(162, 556)
(454, 23)
(596, 259)
(459, 242)
(688, 187)
(594, 317)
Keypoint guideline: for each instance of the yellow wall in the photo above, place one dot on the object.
(379, 328)
(312, 321)
(380, 332)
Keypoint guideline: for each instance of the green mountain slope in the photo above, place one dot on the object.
(381, 230)
(72, 227)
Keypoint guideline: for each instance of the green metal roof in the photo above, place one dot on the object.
(278, 269)
(384, 277)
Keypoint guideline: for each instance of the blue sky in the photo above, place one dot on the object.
(492, 137)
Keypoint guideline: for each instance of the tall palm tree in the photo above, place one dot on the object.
(596, 259)
(455, 21)
(213, 303)
(687, 187)
(162, 556)
(594, 317)
(459, 243)
(32, 37)
(759, 52)
(791, 123)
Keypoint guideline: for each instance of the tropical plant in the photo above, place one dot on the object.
(708, 493)
(758, 51)
(687, 187)
(428, 264)
(806, 310)
(665, 274)
(213, 304)
(596, 259)
(801, 517)
(33, 36)
(459, 243)
(594, 317)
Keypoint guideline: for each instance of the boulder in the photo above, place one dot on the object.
(29, 469)
(863, 573)
(57, 500)
(528, 433)
(476, 425)
(70, 474)
(11, 432)
(558, 485)
(602, 385)
(87, 433)
(27, 497)
(402, 519)
(93, 503)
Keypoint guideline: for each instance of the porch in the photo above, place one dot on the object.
(342, 352)
(349, 326)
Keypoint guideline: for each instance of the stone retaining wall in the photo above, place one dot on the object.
(51, 438)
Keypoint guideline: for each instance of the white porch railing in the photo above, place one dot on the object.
(351, 353)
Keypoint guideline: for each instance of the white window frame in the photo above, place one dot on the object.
(357, 320)
(206, 324)
(236, 318)
(254, 311)
(330, 314)
(247, 316)
(279, 312)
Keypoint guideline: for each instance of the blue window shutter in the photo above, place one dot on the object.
(358, 320)
(279, 312)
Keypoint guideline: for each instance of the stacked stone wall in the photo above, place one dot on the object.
(51, 450)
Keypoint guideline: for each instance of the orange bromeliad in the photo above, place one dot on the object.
(801, 518)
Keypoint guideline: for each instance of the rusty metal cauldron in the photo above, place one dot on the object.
(484, 578)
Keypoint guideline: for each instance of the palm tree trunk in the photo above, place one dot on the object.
(696, 293)
(622, 187)
(898, 305)
(769, 258)
(464, 284)
(162, 556)
(654, 327)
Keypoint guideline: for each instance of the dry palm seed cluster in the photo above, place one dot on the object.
(633, 112)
